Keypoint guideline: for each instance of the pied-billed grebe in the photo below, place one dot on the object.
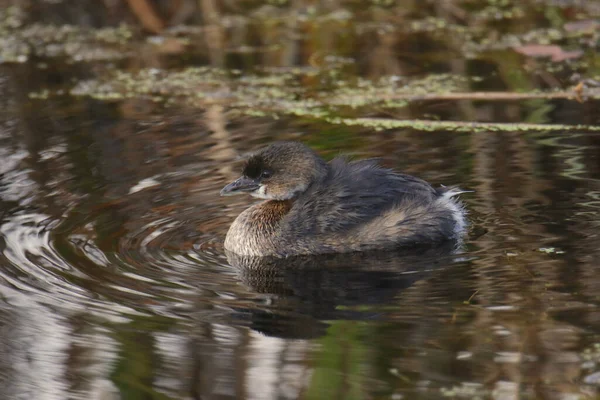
(313, 207)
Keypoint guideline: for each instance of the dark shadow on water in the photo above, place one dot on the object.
(305, 291)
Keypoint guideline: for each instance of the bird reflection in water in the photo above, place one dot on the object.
(303, 292)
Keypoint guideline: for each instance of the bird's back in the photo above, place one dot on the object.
(360, 205)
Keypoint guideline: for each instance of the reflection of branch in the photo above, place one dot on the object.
(214, 34)
(145, 13)
(222, 151)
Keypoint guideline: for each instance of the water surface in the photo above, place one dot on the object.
(114, 283)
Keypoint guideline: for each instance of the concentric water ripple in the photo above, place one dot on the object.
(33, 264)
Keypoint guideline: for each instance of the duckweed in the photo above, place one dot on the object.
(327, 88)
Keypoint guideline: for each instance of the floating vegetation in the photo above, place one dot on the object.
(283, 94)
(394, 88)
(325, 85)
(18, 44)
(199, 86)
(457, 126)
(471, 32)
(466, 390)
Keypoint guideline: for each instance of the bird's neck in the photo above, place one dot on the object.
(253, 231)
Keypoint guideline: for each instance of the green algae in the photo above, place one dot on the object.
(327, 88)
(191, 83)
(457, 126)
(74, 43)
(473, 35)
(472, 391)
(283, 94)
(386, 90)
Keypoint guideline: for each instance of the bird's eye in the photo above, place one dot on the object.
(266, 174)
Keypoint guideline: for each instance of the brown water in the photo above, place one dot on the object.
(114, 283)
